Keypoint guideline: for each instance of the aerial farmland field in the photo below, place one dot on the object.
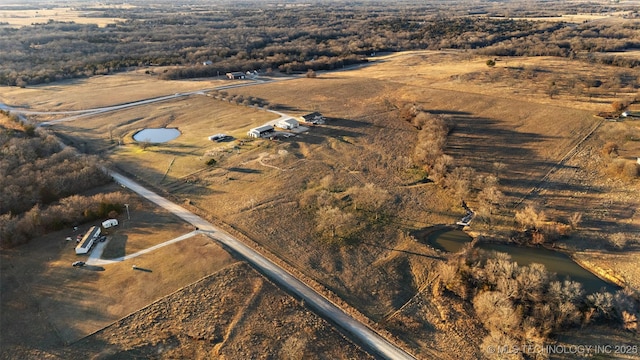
(534, 149)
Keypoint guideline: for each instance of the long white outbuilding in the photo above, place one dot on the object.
(87, 240)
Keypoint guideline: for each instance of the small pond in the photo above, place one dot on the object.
(556, 262)
(448, 240)
(159, 135)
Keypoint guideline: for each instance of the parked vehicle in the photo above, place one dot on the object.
(219, 137)
(78, 264)
(109, 223)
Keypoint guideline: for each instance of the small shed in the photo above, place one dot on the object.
(235, 75)
(87, 240)
(314, 118)
(288, 124)
(260, 131)
(109, 223)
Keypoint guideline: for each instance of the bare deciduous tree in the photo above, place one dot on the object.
(496, 311)
(629, 321)
(460, 181)
(498, 340)
(574, 220)
(602, 303)
(491, 197)
(370, 198)
(335, 223)
(531, 217)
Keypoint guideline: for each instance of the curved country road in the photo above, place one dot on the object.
(360, 332)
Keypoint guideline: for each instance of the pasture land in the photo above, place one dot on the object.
(19, 16)
(100, 91)
(232, 313)
(506, 123)
(196, 117)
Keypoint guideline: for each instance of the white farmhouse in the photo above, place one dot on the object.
(288, 124)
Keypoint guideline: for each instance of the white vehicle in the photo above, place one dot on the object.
(109, 223)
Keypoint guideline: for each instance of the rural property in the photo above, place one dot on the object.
(376, 181)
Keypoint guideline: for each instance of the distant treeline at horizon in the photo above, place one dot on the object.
(290, 39)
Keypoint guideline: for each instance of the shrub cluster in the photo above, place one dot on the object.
(527, 304)
(341, 213)
(460, 181)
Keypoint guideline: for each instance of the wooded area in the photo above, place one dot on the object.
(265, 37)
(39, 183)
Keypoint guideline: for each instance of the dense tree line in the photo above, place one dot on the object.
(241, 37)
(38, 182)
(68, 211)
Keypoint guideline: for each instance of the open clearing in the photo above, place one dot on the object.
(20, 16)
(105, 90)
(266, 190)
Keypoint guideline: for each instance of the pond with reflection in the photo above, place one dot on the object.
(159, 135)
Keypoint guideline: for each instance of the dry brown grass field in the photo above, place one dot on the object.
(231, 314)
(98, 91)
(24, 17)
(268, 190)
(196, 117)
(575, 18)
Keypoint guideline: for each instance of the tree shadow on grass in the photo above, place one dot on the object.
(448, 112)
(281, 107)
(244, 170)
(347, 123)
(134, 267)
(404, 251)
(92, 268)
